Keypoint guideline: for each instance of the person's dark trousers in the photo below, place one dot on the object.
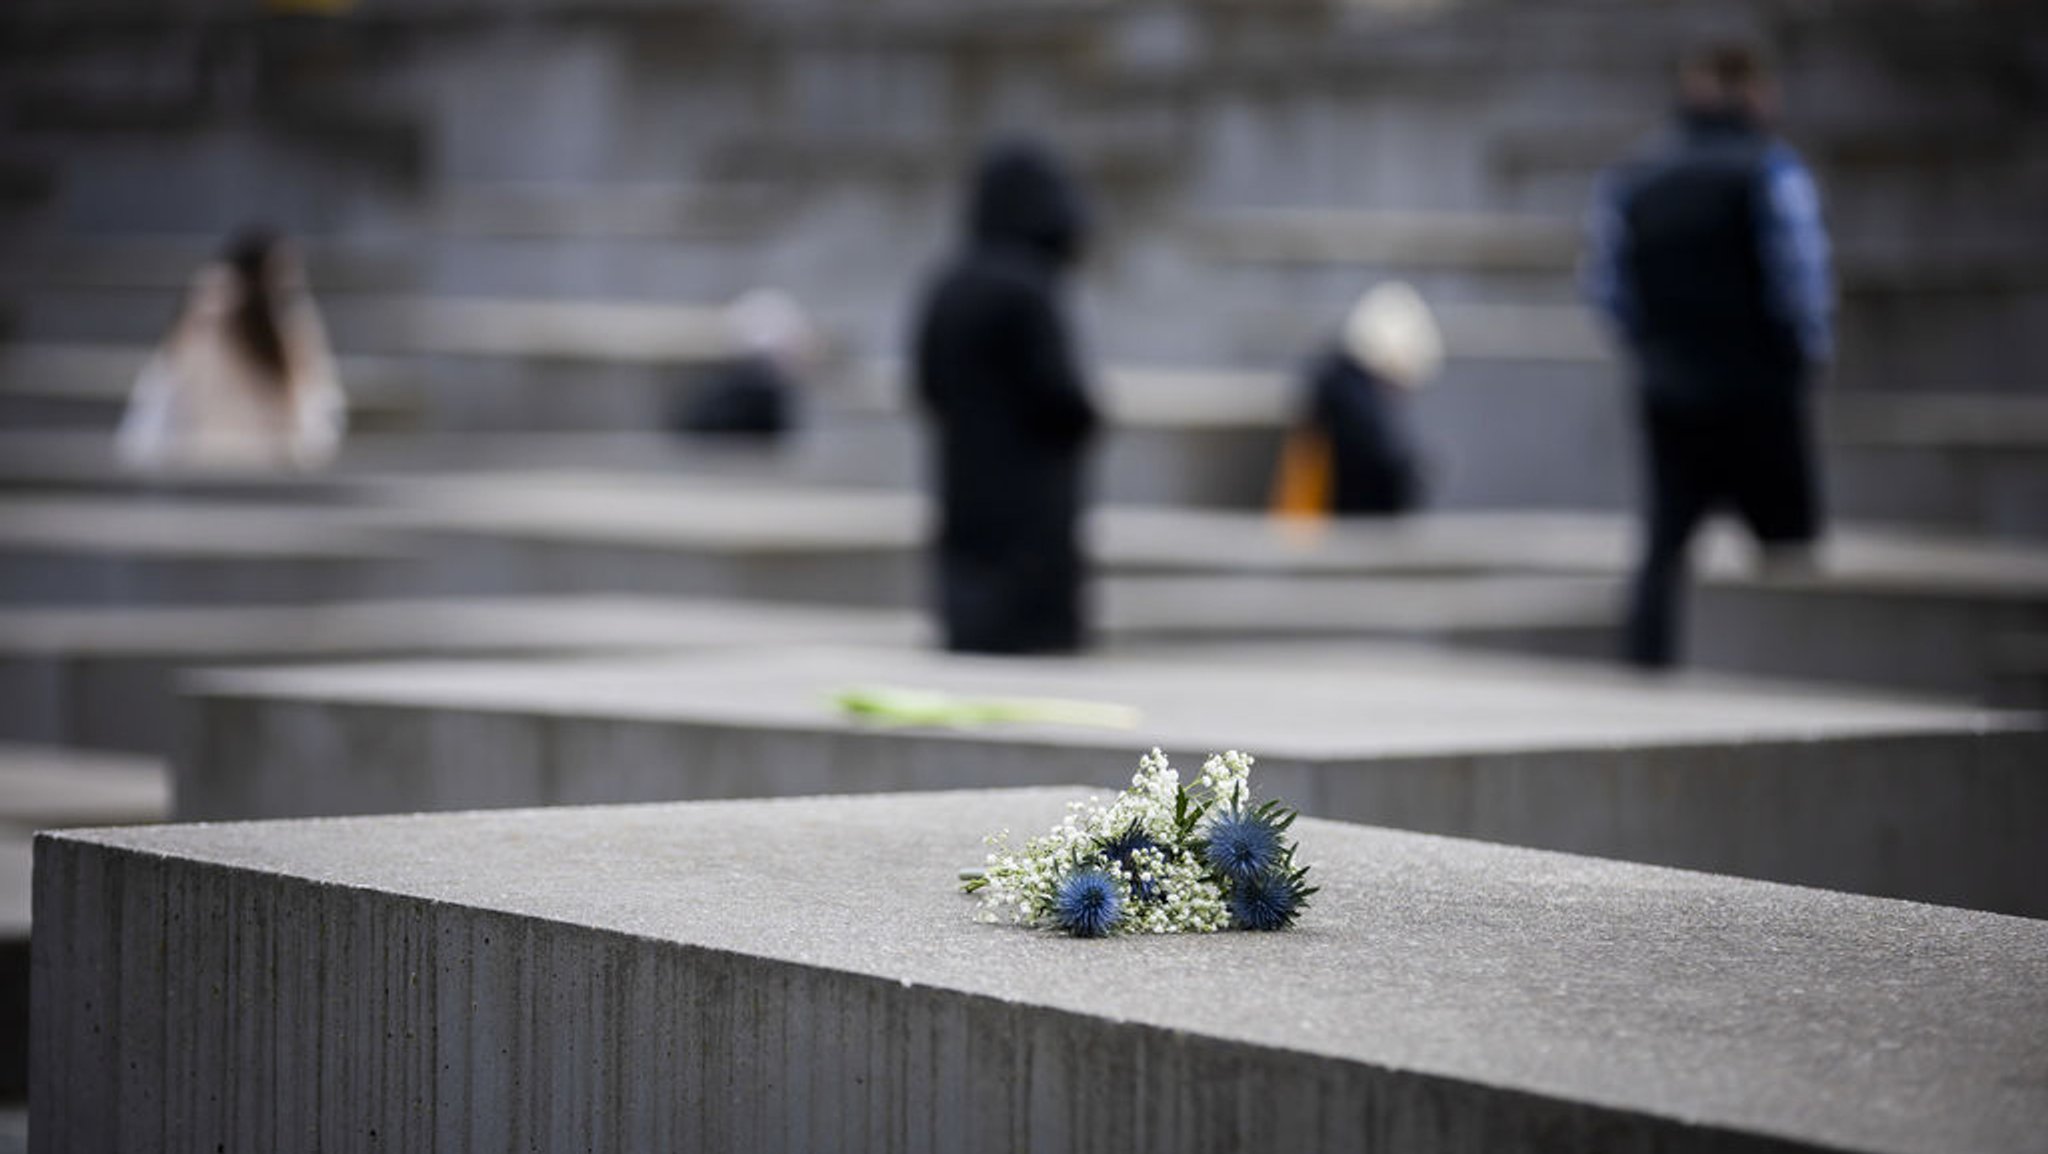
(1755, 457)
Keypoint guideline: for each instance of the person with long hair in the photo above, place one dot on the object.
(245, 378)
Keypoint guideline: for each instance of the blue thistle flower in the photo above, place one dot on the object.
(1088, 903)
(1267, 901)
(1243, 844)
(1123, 848)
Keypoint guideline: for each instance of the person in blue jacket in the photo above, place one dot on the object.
(1708, 254)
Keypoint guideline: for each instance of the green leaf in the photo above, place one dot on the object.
(892, 705)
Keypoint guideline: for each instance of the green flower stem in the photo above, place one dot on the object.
(887, 705)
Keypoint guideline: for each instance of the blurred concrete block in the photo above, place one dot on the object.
(574, 330)
(73, 551)
(1869, 794)
(1977, 462)
(1922, 612)
(104, 677)
(799, 975)
(86, 386)
(510, 535)
(167, 262)
(42, 788)
(1530, 613)
(865, 547)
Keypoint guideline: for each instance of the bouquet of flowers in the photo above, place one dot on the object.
(1162, 858)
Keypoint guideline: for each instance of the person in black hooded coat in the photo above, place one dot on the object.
(1009, 413)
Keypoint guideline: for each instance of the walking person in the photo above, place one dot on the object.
(1708, 255)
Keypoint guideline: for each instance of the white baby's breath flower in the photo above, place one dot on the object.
(1180, 896)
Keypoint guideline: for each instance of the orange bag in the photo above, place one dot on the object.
(1303, 486)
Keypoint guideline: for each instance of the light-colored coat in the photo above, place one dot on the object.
(201, 402)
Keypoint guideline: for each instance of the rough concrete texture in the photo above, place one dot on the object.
(103, 678)
(799, 975)
(1867, 794)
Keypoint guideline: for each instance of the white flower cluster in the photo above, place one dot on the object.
(1181, 894)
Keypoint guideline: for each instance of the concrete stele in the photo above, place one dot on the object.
(1866, 793)
(799, 975)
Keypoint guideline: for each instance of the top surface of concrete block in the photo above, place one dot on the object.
(48, 786)
(501, 625)
(744, 516)
(1821, 1018)
(120, 526)
(1224, 605)
(661, 512)
(42, 787)
(631, 331)
(1136, 395)
(378, 462)
(1367, 702)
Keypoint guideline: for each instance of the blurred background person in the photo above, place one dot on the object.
(756, 392)
(1352, 452)
(1708, 254)
(245, 379)
(1009, 413)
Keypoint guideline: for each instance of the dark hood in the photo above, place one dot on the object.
(1023, 197)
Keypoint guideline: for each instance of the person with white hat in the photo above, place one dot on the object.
(1351, 454)
(754, 394)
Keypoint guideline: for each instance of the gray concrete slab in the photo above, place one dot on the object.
(799, 975)
(619, 532)
(597, 507)
(166, 262)
(506, 534)
(40, 789)
(631, 331)
(79, 550)
(1962, 596)
(1866, 793)
(86, 386)
(104, 677)
(43, 787)
(16, 867)
(47, 462)
(1557, 615)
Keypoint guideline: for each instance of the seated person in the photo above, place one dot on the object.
(1350, 452)
(754, 393)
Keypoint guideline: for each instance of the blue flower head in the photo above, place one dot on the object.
(1267, 901)
(1243, 844)
(1121, 852)
(1088, 903)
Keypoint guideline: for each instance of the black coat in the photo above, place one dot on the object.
(744, 397)
(1372, 463)
(1009, 415)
